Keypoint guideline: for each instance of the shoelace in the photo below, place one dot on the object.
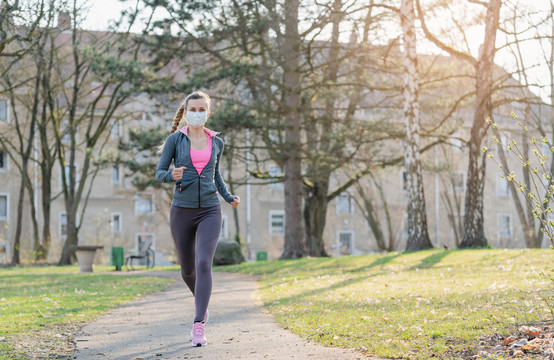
(198, 330)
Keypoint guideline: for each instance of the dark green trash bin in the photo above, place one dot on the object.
(261, 256)
(117, 257)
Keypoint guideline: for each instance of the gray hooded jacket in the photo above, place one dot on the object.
(193, 190)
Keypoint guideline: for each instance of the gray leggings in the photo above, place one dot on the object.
(196, 232)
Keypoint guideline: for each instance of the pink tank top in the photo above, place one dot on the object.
(200, 158)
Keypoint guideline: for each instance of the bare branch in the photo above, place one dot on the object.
(456, 53)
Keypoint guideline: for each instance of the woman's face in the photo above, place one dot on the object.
(197, 105)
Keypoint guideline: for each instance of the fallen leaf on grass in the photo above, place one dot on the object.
(533, 331)
(507, 341)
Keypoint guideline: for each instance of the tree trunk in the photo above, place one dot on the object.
(46, 164)
(46, 155)
(474, 235)
(294, 244)
(46, 194)
(418, 237)
(315, 213)
(70, 241)
(366, 206)
(392, 244)
(319, 140)
(18, 225)
(36, 237)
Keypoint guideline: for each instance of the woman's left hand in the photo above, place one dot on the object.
(236, 202)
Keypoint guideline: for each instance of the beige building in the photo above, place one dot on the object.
(118, 215)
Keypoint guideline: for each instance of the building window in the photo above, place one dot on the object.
(115, 132)
(344, 204)
(274, 173)
(3, 110)
(346, 240)
(223, 234)
(4, 206)
(116, 222)
(276, 222)
(116, 176)
(502, 186)
(504, 222)
(63, 225)
(3, 161)
(459, 181)
(404, 181)
(144, 204)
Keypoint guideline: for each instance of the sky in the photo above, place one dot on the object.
(99, 18)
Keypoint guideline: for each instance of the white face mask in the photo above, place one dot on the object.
(197, 118)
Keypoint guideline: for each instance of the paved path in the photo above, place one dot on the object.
(158, 326)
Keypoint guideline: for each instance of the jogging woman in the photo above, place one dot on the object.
(195, 215)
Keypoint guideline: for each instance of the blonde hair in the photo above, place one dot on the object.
(181, 110)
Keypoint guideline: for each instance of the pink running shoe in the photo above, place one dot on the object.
(198, 337)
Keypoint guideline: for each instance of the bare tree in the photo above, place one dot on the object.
(474, 235)
(19, 44)
(93, 77)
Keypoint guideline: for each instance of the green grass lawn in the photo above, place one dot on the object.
(414, 305)
(35, 298)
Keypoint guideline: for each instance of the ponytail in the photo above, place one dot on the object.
(177, 119)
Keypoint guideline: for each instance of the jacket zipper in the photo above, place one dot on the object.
(199, 178)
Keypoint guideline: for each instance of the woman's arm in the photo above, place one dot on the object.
(219, 183)
(168, 152)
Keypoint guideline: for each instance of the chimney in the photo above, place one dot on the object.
(64, 20)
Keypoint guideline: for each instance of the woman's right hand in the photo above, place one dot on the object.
(178, 173)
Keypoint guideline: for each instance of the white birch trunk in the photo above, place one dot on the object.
(418, 237)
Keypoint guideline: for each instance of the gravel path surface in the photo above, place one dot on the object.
(158, 326)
